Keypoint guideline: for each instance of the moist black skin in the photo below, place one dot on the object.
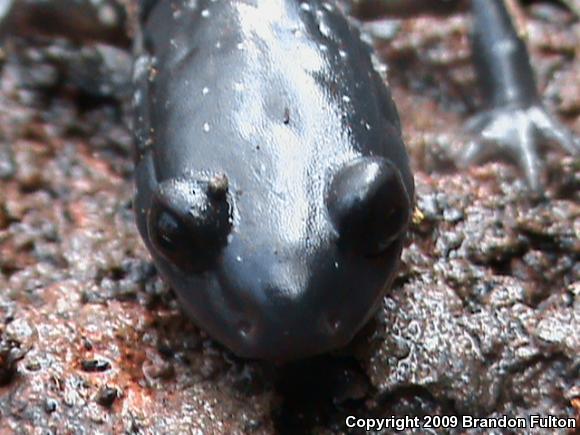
(281, 100)
(267, 150)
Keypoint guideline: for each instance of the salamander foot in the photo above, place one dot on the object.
(515, 133)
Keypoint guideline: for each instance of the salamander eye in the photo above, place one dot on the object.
(189, 222)
(369, 205)
(170, 233)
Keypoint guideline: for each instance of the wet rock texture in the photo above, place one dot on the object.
(483, 319)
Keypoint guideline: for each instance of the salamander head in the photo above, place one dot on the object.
(279, 279)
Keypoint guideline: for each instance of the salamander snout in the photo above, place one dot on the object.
(291, 300)
(287, 328)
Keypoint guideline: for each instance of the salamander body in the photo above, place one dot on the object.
(273, 186)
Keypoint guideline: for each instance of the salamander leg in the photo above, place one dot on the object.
(515, 121)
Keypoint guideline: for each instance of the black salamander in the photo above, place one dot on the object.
(274, 189)
(273, 186)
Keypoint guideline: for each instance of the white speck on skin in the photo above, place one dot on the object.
(324, 29)
(205, 90)
(343, 54)
(191, 4)
(346, 98)
(305, 7)
(206, 127)
(137, 97)
(205, 13)
(327, 6)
